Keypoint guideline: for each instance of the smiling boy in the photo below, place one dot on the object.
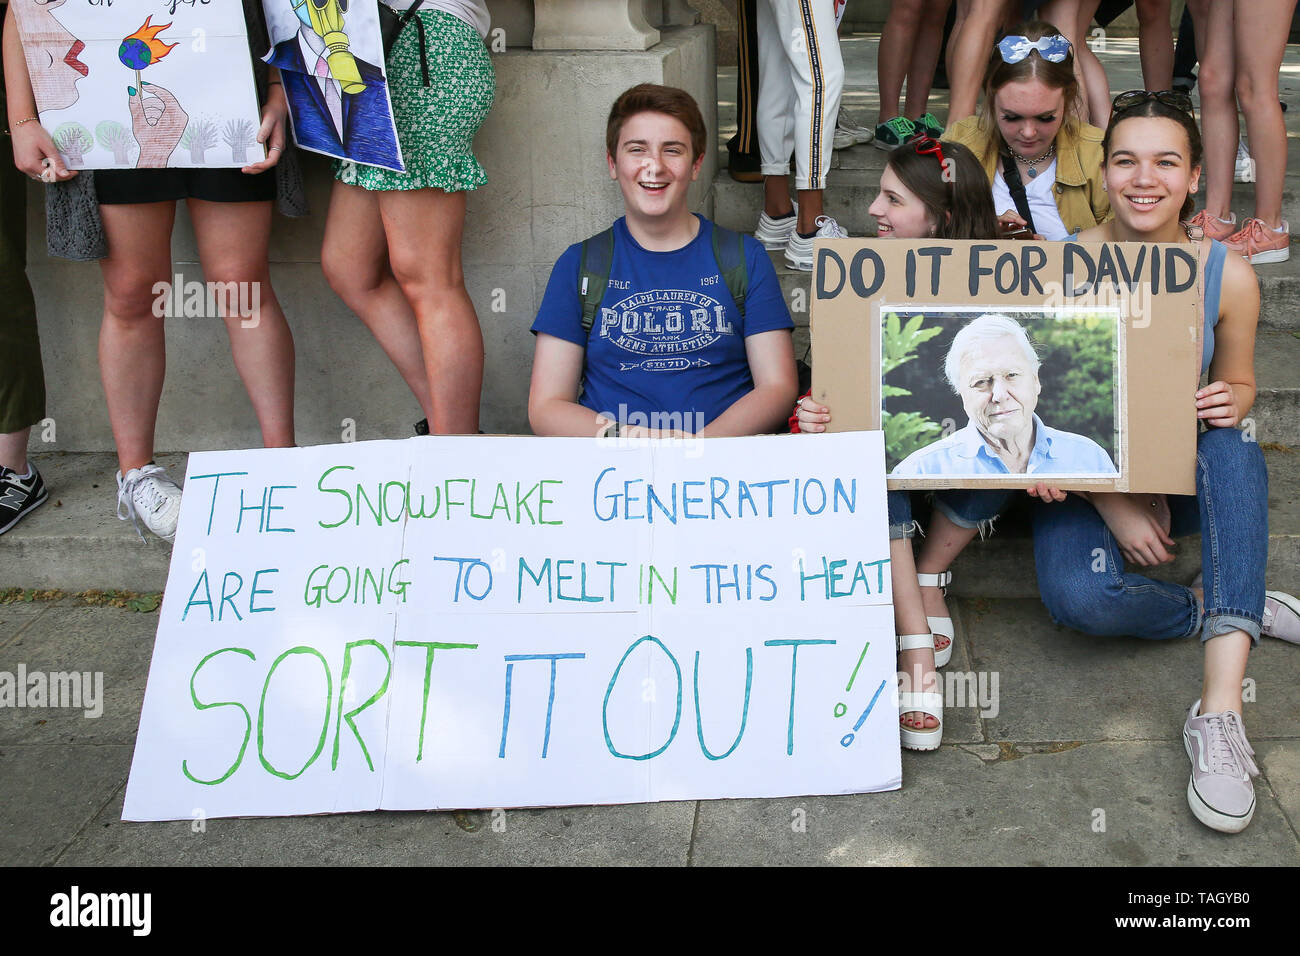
(666, 348)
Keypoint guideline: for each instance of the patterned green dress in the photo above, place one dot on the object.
(435, 124)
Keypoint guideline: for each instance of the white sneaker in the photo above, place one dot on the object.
(1245, 171)
(799, 251)
(844, 124)
(843, 139)
(147, 494)
(775, 233)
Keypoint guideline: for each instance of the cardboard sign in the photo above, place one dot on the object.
(997, 364)
(130, 84)
(496, 622)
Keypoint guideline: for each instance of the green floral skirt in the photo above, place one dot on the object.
(435, 124)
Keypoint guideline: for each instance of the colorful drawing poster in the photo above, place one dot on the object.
(140, 84)
(331, 60)
(505, 622)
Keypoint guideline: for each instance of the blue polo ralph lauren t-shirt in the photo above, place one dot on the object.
(667, 337)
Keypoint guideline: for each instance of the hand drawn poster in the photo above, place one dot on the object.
(998, 365)
(142, 84)
(331, 61)
(501, 622)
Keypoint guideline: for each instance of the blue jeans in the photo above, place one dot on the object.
(1081, 574)
(965, 507)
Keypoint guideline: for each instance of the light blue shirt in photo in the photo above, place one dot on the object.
(965, 452)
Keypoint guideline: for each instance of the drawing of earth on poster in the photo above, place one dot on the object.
(130, 85)
(331, 61)
(974, 392)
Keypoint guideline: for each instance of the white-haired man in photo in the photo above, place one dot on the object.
(993, 367)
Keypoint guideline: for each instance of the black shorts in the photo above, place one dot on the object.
(116, 187)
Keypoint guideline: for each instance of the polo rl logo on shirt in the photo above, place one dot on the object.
(665, 322)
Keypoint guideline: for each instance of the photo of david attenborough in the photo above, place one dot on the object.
(994, 410)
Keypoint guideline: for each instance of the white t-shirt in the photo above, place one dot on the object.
(1042, 201)
(473, 12)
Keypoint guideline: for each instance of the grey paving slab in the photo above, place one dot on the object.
(15, 617)
(1279, 761)
(656, 834)
(48, 793)
(1056, 684)
(1035, 809)
(110, 642)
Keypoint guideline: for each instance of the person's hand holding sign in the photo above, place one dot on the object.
(273, 133)
(1216, 405)
(812, 417)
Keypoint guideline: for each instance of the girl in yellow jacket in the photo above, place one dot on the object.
(1028, 136)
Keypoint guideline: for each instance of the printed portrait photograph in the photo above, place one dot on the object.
(972, 392)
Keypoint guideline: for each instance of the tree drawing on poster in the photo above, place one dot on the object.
(970, 391)
(147, 79)
(331, 60)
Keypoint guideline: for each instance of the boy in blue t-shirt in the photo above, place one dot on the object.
(668, 353)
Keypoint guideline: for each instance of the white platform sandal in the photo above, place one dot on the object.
(940, 625)
(929, 703)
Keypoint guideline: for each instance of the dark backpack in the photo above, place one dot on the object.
(598, 256)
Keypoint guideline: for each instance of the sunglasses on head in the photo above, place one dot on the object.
(926, 144)
(1054, 48)
(1176, 99)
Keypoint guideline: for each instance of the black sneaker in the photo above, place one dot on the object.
(19, 496)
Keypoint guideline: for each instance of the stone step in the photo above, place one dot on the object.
(75, 543)
(853, 186)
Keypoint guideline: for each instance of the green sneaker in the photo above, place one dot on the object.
(929, 125)
(895, 133)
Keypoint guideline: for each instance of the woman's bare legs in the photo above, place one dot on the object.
(354, 257)
(972, 42)
(1155, 44)
(132, 348)
(233, 240)
(897, 42)
(424, 228)
(1261, 32)
(916, 668)
(941, 546)
(1216, 81)
(926, 48)
(1097, 84)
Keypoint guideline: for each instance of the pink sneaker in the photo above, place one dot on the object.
(1213, 226)
(1259, 244)
(1281, 617)
(1219, 791)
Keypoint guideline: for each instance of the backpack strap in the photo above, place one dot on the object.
(598, 257)
(729, 253)
(593, 274)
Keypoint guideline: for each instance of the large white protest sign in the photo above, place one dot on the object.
(142, 83)
(495, 622)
